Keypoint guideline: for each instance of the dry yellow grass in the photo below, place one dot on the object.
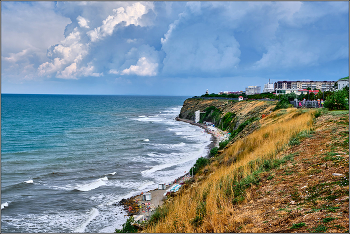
(205, 207)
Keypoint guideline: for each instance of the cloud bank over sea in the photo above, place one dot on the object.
(129, 45)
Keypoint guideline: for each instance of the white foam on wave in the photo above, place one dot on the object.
(157, 168)
(93, 185)
(146, 185)
(179, 162)
(146, 140)
(150, 119)
(92, 215)
(113, 173)
(29, 182)
(53, 222)
(3, 205)
(168, 146)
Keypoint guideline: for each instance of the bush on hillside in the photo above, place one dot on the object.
(127, 227)
(200, 163)
(226, 120)
(212, 114)
(284, 101)
(337, 101)
(213, 152)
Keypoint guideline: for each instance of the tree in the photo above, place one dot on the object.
(301, 97)
(312, 96)
(283, 102)
(336, 101)
(319, 95)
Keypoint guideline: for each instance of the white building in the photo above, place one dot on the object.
(197, 116)
(268, 88)
(252, 90)
(343, 82)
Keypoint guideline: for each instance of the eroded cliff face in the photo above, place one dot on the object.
(244, 110)
(243, 119)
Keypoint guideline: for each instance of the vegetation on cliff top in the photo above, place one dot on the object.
(208, 204)
(229, 192)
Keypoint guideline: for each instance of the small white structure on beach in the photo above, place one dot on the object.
(147, 197)
(161, 186)
(240, 98)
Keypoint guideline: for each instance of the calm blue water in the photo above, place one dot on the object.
(67, 159)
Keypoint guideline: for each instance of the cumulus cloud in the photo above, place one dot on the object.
(70, 51)
(129, 15)
(15, 57)
(197, 46)
(68, 72)
(131, 40)
(71, 40)
(143, 68)
(291, 45)
(83, 22)
(113, 71)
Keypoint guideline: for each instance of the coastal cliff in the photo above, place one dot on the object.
(282, 171)
(227, 114)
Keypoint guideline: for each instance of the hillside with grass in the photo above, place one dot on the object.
(288, 173)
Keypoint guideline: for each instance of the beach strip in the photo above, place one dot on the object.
(142, 209)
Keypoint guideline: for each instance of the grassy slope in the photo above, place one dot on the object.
(243, 193)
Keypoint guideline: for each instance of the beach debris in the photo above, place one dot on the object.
(130, 206)
(337, 174)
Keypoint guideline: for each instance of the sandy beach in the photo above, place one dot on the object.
(143, 209)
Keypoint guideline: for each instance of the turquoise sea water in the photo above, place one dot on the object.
(67, 159)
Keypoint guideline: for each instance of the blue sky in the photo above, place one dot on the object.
(169, 48)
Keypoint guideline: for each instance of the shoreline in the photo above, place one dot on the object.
(142, 210)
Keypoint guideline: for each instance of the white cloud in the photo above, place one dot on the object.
(89, 71)
(70, 51)
(197, 46)
(68, 72)
(83, 22)
(131, 40)
(15, 57)
(129, 15)
(142, 68)
(113, 71)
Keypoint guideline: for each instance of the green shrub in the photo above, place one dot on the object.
(336, 101)
(213, 152)
(200, 163)
(284, 100)
(226, 120)
(223, 144)
(319, 229)
(127, 226)
(212, 114)
(298, 225)
(326, 220)
(159, 213)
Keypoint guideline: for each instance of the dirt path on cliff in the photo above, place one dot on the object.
(308, 194)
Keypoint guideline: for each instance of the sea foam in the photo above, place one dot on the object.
(3, 205)
(93, 185)
(93, 214)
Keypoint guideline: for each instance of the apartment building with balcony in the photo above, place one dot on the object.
(298, 85)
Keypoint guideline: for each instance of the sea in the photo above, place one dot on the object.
(67, 160)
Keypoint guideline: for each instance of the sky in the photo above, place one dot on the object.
(169, 48)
